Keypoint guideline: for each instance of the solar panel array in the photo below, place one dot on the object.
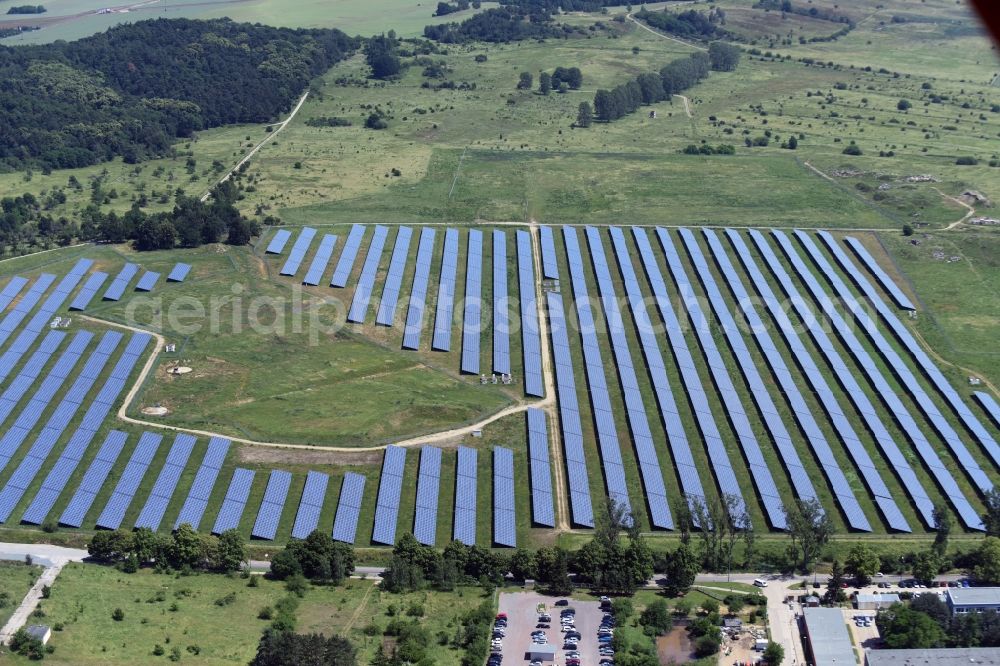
(88, 291)
(269, 514)
(642, 436)
(600, 399)
(320, 260)
(366, 283)
(418, 293)
(120, 283)
(504, 527)
(471, 324)
(550, 264)
(540, 468)
(147, 281)
(298, 251)
(114, 511)
(277, 243)
(465, 496)
(902, 416)
(531, 336)
(865, 408)
(93, 479)
(446, 293)
(903, 334)
(179, 272)
(204, 480)
(345, 524)
(156, 504)
(235, 501)
(569, 416)
(389, 488)
(428, 486)
(990, 405)
(57, 478)
(501, 315)
(394, 279)
(11, 290)
(25, 379)
(902, 300)
(310, 505)
(12, 320)
(345, 264)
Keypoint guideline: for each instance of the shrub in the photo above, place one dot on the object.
(158, 650)
(118, 615)
(966, 160)
(852, 149)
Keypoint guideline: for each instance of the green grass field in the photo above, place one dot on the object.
(16, 578)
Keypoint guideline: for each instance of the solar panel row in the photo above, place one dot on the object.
(93, 479)
(25, 379)
(120, 283)
(531, 336)
(471, 324)
(88, 291)
(235, 501)
(363, 292)
(540, 469)
(156, 504)
(990, 405)
(441, 340)
(345, 264)
(937, 378)
(269, 514)
(418, 293)
(865, 408)
(873, 267)
(11, 290)
(569, 416)
(550, 264)
(501, 314)
(504, 527)
(298, 252)
(320, 260)
(277, 243)
(642, 436)
(179, 272)
(394, 280)
(147, 281)
(389, 488)
(310, 505)
(204, 480)
(902, 416)
(12, 320)
(345, 524)
(428, 486)
(465, 496)
(114, 511)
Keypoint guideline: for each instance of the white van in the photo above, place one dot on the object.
(760, 582)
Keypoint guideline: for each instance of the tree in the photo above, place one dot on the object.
(942, 523)
(681, 569)
(604, 106)
(544, 83)
(991, 519)
(584, 115)
(931, 605)
(23, 644)
(903, 104)
(622, 608)
(284, 648)
(835, 586)
(809, 528)
(987, 558)
(655, 618)
(231, 554)
(240, 232)
(186, 549)
(862, 563)
(907, 230)
(380, 52)
(903, 628)
(926, 566)
(853, 149)
(724, 57)
(522, 564)
(774, 653)
(524, 81)
(792, 144)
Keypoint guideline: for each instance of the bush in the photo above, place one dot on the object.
(265, 613)
(965, 160)
(706, 646)
(852, 149)
(375, 122)
(118, 615)
(158, 650)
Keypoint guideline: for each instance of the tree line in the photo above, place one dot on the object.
(691, 24)
(509, 23)
(27, 9)
(651, 88)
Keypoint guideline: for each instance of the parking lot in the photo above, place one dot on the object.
(521, 609)
(863, 637)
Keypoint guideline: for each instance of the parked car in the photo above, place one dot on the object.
(562, 602)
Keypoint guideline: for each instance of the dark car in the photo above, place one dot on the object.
(562, 602)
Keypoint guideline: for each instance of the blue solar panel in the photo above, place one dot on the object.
(501, 305)
(873, 267)
(504, 525)
(12, 320)
(320, 260)
(310, 505)
(550, 265)
(642, 436)
(369, 271)
(147, 281)
(114, 511)
(120, 283)
(531, 339)
(25, 379)
(299, 250)
(235, 501)
(93, 479)
(88, 291)
(389, 488)
(569, 416)
(418, 293)
(197, 499)
(11, 290)
(345, 525)
(446, 293)
(900, 413)
(471, 321)
(156, 505)
(179, 273)
(541, 470)
(394, 280)
(465, 496)
(990, 405)
(428, 484)
(269, 514)
(346, 262)
(277, 243)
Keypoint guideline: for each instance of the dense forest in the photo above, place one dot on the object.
(502, 24)
(133, 90)
(690, 23)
